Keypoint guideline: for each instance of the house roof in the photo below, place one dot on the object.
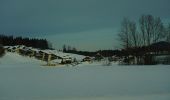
(162, 45)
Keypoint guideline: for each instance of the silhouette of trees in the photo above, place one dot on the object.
(30, 42)
(128, 34)
(2, 51)
(151, 29)
(124, 33)
(133, 34)
(64, 48)
(168, 33)
(69, 49)
(137, 38)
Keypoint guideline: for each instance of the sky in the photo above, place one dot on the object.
(84, 24)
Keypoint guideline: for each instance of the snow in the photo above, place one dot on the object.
(55, 52)
(13, 58)
(63, 55)
(23, 78)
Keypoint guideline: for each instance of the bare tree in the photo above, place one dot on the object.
(133, 34)
(128, 34)
(151, 28)
(128, 37)
(64, 48)
(142, 29)
(124, 33)
(168, 33)
(158, 30)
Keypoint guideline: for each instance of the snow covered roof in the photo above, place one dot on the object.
(55, 52)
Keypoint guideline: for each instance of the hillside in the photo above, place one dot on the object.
(30, 53)
(13, 58)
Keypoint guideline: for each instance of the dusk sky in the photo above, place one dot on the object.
(84, 24)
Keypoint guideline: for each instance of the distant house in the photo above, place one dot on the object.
(7, 48)
(114, 58)
(66, 60)
(156, 53)
(87, 59)
(33, 53)
(13, 49)
(43, 55)
(98, 57)
(38, 55)
(49, 56)
(161, 47)
(159, 53)
(25, 51)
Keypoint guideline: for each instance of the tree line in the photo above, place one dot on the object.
(137, 37)
(30, 42)
(105, 53)
(70, 49)
(147, 31)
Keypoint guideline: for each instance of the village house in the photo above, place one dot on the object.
(98, 57)
(87, 59)
(45, 55)
(157, 53)
(66, 60)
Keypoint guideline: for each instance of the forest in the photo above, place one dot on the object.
(29, 42)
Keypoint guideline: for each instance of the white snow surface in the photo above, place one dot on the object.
(13, 59)
(56, 52)
(61, 54)
(23, 78)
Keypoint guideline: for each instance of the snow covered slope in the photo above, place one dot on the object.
(62, 54)
(13, 58)
(24, 79)
(55, 52)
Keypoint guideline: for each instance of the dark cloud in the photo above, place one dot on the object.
(21, 17)
(61, 16)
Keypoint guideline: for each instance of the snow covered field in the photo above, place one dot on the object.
(23, 78)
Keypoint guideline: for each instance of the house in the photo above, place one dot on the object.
(66, 60)
(87, 59)
(114, 58)
(45, 55)
(8, 48)
(156, 53)
(98, 57)
(25, 51)
(50, 57)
